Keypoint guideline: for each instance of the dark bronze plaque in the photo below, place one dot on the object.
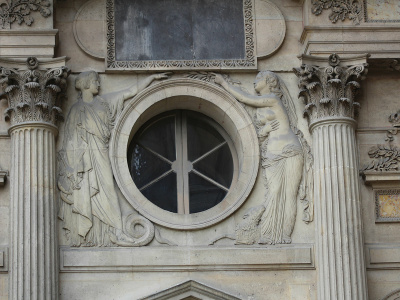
(179, 34)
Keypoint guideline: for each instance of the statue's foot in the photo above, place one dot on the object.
(266, 240)
(286, 240)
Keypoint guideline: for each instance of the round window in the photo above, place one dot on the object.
(184, 154)
(182, 162)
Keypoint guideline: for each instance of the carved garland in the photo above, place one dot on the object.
(248, 62)
(386, 157)
(33, 94)
(341, 9)
(19, 10)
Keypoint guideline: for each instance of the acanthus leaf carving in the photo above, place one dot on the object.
(329, 92)
(34, 95)
(19, 11)
(340, 9)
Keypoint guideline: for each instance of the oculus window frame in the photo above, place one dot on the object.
(209, 100)
(248, 62)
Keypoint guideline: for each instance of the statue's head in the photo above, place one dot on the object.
(268, 79)
(88, 80)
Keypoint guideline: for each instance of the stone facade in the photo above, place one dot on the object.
(294, 192)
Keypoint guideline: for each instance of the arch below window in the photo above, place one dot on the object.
(210, 100)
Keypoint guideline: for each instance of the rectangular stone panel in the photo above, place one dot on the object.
(186, 259)
(382, 11)
(180, 34)
(387, 205)
(383, 256)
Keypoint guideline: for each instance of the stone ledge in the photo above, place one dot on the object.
(383, 179)
(383, 256)
(24, 43)
(159, 259)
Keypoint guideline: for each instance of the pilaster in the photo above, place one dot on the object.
(34, 93)
(328, 88)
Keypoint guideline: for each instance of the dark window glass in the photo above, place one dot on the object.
(159, 136)
(202, 138)
(203, 194)
(218, 165)
(161, 156)
(163, 193)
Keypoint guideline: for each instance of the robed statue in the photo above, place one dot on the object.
(90, 208)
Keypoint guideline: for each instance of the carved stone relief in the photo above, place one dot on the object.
(340, 9)
(285, 156)
(34, 94)
(329, 91)
(386, 157)
(89, 206)
(19, 11)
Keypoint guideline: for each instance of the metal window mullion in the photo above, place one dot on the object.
(179, 162)
(185, 165)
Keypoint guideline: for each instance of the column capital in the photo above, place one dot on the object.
(328, 86)
(34, 89)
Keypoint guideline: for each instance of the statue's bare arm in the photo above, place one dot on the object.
(131, 92)
(252, 100)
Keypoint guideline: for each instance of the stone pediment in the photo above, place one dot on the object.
(191, 290)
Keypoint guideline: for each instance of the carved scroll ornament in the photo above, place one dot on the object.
(34, 94)
(19, 11)
(340, 9)
(329, 92)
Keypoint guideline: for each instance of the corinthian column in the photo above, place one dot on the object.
(33, 93)
(328, 88)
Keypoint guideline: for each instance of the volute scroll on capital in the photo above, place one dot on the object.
(34, 93)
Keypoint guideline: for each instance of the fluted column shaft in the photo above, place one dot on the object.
(328, 88)
(34, 94)
(34, 267)
(339, 242)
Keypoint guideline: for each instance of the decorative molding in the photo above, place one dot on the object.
(329, 91)
(34, 95)
(19, 10)
(250, 62)
(191, 290)
(395, 295)
(3, 260)
(3, 177)
(383, 256)
(340, 9)
(178, 259)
